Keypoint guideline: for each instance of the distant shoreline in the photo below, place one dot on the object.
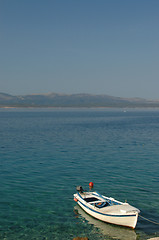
(56, 100)
(50, 107)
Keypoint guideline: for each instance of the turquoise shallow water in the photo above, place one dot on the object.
(45, 153)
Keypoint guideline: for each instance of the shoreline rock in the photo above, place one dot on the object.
(156, 238)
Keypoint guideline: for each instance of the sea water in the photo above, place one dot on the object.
(46, 153)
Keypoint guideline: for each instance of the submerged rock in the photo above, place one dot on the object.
(80, 238)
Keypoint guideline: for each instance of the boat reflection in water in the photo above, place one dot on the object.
(106, 229)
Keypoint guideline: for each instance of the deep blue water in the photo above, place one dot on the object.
(46, 153)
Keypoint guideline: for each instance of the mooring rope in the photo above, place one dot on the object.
(149, 220)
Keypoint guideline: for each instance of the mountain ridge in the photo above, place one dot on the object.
(53, 99)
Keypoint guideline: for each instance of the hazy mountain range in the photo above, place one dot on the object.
(72, 100)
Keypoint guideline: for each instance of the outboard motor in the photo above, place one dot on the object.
(79, 189)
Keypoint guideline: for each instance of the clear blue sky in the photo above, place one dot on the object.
(80, 46)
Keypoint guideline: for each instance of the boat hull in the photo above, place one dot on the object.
(127, 221)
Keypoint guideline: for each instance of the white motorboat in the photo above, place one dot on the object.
(107, 209)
